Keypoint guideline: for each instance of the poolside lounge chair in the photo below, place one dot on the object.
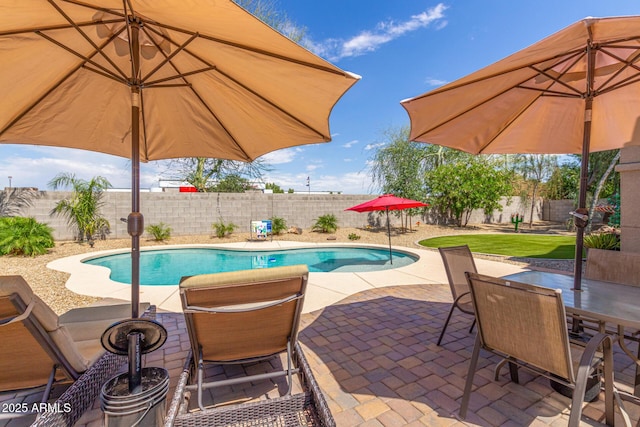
(241, 317)
(526, 324)
(458, 260)
(40, 348)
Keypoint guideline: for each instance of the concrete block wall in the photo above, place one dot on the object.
(194, 213)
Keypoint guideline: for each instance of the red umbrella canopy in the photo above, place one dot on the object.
(387, 201)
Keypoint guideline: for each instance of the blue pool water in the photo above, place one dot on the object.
(167, 266)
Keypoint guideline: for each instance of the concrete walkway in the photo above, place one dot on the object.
(323, 289)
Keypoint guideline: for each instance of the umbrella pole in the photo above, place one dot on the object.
(389, 234)
(135, 222)
(584, 167)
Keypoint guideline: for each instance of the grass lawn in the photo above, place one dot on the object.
(518, 245)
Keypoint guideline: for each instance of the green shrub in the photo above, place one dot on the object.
(222, 230)
(160, 232)
(353, 236)
(326, 223)
(24, 236)
(608, 241)
(278, 225)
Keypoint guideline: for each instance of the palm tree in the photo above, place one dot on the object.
(82, 209)
(13, 200)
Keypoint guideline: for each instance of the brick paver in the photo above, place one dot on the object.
(375, 358)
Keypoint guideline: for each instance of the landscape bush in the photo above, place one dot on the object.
(608, 241)
(24, 236)
(326, 223)
(222, 229)
(278, 225)
(160, 232)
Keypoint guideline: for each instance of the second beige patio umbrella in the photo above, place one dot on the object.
(158, 79)
(576, 91)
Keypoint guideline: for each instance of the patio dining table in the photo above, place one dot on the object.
(616, 305)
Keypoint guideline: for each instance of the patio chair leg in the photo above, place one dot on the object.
(472, 325)
(289, 371)
(446, 323)
(200, 379)
(47, 390)
(464, 404)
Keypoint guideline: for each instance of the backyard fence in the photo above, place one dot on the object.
(194, 213)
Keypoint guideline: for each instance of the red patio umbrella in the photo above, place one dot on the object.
(387, 202)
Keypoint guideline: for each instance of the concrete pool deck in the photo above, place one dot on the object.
(324, 289)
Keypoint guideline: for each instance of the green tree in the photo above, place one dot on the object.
(563, 182)
(535, 169)
(13, 200)
(82, 208)
(398, 167)
(267, 12)
(203, 173)
(232, 184)
(457, 188)
(272, 186)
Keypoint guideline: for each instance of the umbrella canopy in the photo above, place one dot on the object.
(158, 79)
(387, 202)
(576, 91)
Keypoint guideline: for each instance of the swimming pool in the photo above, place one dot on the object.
(167, 266)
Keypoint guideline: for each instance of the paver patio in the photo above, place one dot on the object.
(375, 358)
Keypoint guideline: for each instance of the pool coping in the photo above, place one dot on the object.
(323, 288)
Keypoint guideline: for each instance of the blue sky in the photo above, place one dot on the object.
(401, 48)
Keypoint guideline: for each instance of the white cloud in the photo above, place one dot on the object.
(347, 183)
(286, 155)
(374, 146)
(435, 82)
(350, 143)
(27, 170)
(371, 40)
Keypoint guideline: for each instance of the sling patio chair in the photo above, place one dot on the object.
(241, 318)
(40, 348)
(526, 325)
(457, 261)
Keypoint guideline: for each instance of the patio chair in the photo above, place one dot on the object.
(241, 317)
(613, 266)
(40, 348)
(458, 260)
(526, 324)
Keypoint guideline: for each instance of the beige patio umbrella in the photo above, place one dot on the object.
(158, 79)
(576, 91)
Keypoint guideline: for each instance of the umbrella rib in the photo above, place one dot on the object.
(447, 89)
(253, 49)
(273, 104)
(168, 58)
(84, 35)
(627, 64)
(37, 101)
(98, 8)
(471, 108)
(154, 83)
(57, 27)
(215, 39)
(105, 71)
(183, 76)
(213, 67)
